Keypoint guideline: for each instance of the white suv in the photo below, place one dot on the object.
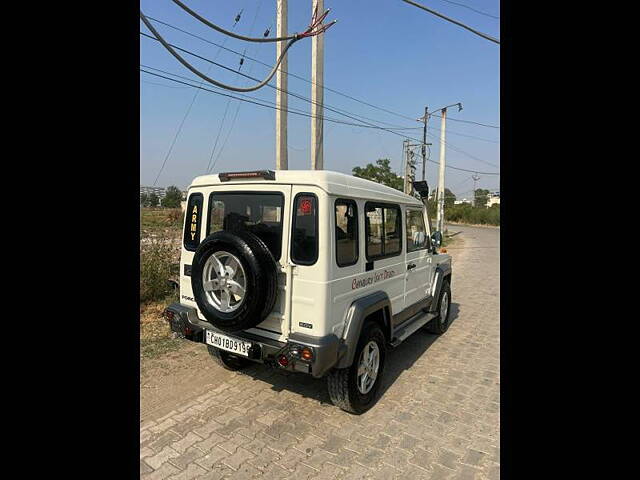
(310, 271)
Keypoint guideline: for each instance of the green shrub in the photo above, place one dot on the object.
(465, 213)
(156, 267)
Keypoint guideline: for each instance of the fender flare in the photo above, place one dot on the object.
(443, 272)
(358, 311)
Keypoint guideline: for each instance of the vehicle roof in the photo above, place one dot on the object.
(334, 183)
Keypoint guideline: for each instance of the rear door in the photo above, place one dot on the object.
(418, 258)
(265, 210)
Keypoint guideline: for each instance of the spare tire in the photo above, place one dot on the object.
(234, 278)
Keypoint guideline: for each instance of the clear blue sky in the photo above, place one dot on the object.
(387, 53)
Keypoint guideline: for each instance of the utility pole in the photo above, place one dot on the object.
(405, 164)
(424, 143)
(475, 177)
(317, 93)
(440, 217)
(440, 197)
(282, 159)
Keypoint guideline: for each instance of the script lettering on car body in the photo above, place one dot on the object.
(371, 279)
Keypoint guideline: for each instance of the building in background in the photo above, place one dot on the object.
(459, 202)
(159, 191)
(493, 199)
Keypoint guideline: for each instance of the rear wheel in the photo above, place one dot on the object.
(355, 389)
(440, 324)
(227, 360)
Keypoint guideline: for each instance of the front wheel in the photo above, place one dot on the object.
(227, 360)
(354, 389)
(440, 324)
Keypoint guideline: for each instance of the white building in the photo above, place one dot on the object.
(493, 199)
(459, 202)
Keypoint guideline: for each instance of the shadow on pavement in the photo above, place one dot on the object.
(399, 359)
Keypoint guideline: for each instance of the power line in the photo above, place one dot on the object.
(283, 71)
(459, 150)
(235, 116)
(456, 22)
(177, 56)
(472, 9)
(186, 114)
(305, 115)
(315, 22)
(328, 107)
(301, 97)
(467, 121)
(326, 88)
(449, 131)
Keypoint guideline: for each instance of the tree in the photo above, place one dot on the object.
(144, 199)
(449, 198)
(172, 198)
(380, 173)
(152, 200)
(480, 196)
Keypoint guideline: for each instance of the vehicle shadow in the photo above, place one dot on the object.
(399, 359)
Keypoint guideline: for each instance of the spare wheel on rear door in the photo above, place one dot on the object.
(234, 280)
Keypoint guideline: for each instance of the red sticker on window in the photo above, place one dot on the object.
(306, 206)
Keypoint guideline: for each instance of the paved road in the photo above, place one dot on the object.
(438, 416)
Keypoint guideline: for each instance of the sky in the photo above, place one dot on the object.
(385, 52)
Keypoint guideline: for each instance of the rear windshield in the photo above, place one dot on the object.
(258, 213)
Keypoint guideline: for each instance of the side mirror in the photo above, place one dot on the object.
(436, 239)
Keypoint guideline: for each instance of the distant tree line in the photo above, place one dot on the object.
(172, 198)
(477, 213)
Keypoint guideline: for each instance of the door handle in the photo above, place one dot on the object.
(410, 266)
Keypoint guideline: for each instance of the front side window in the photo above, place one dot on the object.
(383, 230)
(193, 214)
(258, 213)
(346, 232)
(304, 237)
(416, 232)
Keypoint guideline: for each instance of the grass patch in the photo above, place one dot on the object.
(154, 348)
(156, 337)
(157, 265)
(154, 219)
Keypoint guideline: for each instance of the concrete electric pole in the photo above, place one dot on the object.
(282, 159)
(440, 198)
(440, 217)
(424, 143)
(317, 93)
(475, 177)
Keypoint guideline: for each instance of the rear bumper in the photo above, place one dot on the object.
(327, 350)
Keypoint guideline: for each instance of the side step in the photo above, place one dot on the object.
(410, 326)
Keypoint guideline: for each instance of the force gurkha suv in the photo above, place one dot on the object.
(310, 271)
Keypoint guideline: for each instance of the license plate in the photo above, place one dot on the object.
(227, 343)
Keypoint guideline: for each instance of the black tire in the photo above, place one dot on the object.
(228, 360)
(261, 280)
(342, 382)
(440, 325)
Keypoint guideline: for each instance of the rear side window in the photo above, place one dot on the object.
(192, 216)
(304, 236)
(416, 232)
(346, 232)
(383, 225)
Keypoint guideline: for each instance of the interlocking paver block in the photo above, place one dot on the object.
(161, 474)
(161, 457)
(238, 458)
(193, 471)
(438, 417)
